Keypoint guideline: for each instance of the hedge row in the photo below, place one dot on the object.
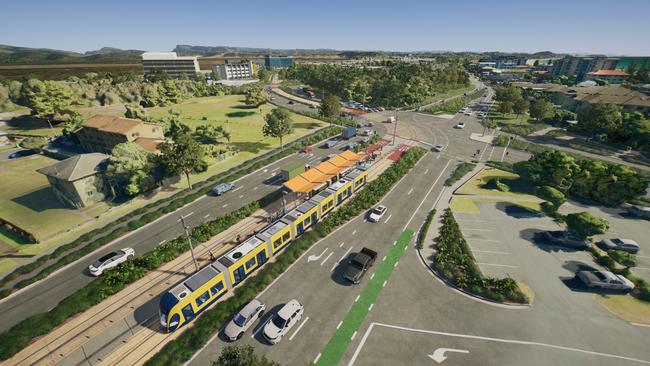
(454, 105)
(193, 338)
(424, 229)
(642, 287)
(455, 263)
(459, 172)
(114, 280)
(148, 214)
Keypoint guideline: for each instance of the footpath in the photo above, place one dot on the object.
(112, 331)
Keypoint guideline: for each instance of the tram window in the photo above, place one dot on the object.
(217, 288)
(203, 298)
(277, 243)
(250, 263)
(286, 236)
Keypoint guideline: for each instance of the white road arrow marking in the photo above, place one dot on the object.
(312, 258)
(439, 354)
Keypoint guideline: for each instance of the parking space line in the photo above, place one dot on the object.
(340, 245)
(409, 192)
(225, 205)
(206, 216)
(388, 219)
(300, 327)
(496, 265)
(340, 323)
(370, 307)
(357, 299)
(241, 196)
(353, 335)
(354, 232)
(426, 171)
(317, 358)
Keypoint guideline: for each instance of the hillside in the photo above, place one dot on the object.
(13, 55)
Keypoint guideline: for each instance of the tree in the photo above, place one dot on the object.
(541, 109)
(184, 155)
(47, 99)
(172, 93)
(331, 106)
(211, 134)
(72, 125)
(552, 167)
(554, 196)
(34, 143)
(136, 111)
(242, 356)
(256, 96)
(130, 170)
(264, 75)
(278, 124)
(520, 106)
(600, 118)
(585, 224)
(505, 107)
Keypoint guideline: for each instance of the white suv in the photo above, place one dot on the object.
(283, 320)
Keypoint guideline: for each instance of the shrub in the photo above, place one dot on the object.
(624, 258)
(425, 228)
(459, 172)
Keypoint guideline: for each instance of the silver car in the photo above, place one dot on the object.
(605, 280)
(626, 245)
(244, 319)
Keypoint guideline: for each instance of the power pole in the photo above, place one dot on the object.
(395, 130)
(189, 239)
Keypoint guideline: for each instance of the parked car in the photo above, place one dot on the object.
(110, 260)
(244, 319)
(222, 188)
(377, 213)
(640, 211)
(21, 153)
(460, 125)
(605, 280)
(627, 245)
(283, 320)
(567, 239)
(359, 265)
(438, 148)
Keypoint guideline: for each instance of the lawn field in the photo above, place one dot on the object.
(26, 125)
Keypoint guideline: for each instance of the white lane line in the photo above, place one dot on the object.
(300, 327)
(496, 265)
(275, 169)
(489, 251)
(426, 171)
(326, 258)
(409, 192)
(395, 243)
(354, 232)
(383, 259)
(238, 188)
(162, 241)
(396, 263)
(344, 255)
(353, 335)
(491, 339)
(370, 307)
(339, 326)
(388, 219)
(427, 195)
(186, 216)
(339, 261)
(206, 216)
(316, 359)
(241, 196)
(225, 205)
(342, 243)
(373, 276)
(358, 297)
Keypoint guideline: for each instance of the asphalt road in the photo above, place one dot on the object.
(46, 293)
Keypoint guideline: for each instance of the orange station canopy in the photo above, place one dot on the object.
(315, 177)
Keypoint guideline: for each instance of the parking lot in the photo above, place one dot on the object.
(621, 225)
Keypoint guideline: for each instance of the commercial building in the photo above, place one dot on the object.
(277, 62)
(169, 62)
(580, 66)
(235, 71)
(101, 133)
(78, 181)
(610, 76)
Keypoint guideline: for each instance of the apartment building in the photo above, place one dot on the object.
(610, 76)
(235, 71)
(169, 62)
(277, 62)
(101, 133)
(580, 66)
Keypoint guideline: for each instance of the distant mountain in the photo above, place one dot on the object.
(38, 56)
(189, 50)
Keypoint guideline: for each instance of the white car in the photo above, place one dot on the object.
(460, 125)
(377, 213)
(244, 319)
(283, 320)
(111, 260)
(626, 245)
(438, 148)
(605, 280)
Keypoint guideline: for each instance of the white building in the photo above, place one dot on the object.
(169, 62)
(244, 70)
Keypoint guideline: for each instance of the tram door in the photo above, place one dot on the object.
(261, 258)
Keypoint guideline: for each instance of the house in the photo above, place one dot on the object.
(610, 76)
(78, 181)
(101, 133)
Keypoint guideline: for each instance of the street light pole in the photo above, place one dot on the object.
(189, 240)
(394, 130)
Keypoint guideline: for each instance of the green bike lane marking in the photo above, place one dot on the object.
(338, 344)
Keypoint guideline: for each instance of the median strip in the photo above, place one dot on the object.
(338, 344)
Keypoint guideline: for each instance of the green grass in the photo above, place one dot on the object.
(338, 344)
(28, 125)
(447, 94)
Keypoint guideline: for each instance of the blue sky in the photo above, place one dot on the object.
(571, 26)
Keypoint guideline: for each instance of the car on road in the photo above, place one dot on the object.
(111, 260)
(377, 213)
(567, 239)
(626, 245)
(244, 319)
(438, 148)
(605, 280)
(222, 188)
(331, 143)
(290, 102)
(359, 265)
(351, 146)
(21, 153)
(460, 125)
(282, 321)
(640, 211)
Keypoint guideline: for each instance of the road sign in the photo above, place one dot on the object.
(439, 354)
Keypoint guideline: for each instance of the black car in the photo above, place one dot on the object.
(567, 239)
(359, 264)
(21, 153)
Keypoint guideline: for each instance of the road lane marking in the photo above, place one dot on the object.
(384, 284)
(396, 263)
(162, 241)
(275, 169)
(373, 276)
(489, 251)
(316, 257)
(395, 242)
(496, 265)
(300, 327)
(353, 335)
(238, 188)
(388, 219)
(326, 258)
(383, 259)
(427, 195)
(241, 196)
(340, 245)
(206, 216)
(409, 192)
(490, 339)
(225, 205)
(426, 171)
(354, 232)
